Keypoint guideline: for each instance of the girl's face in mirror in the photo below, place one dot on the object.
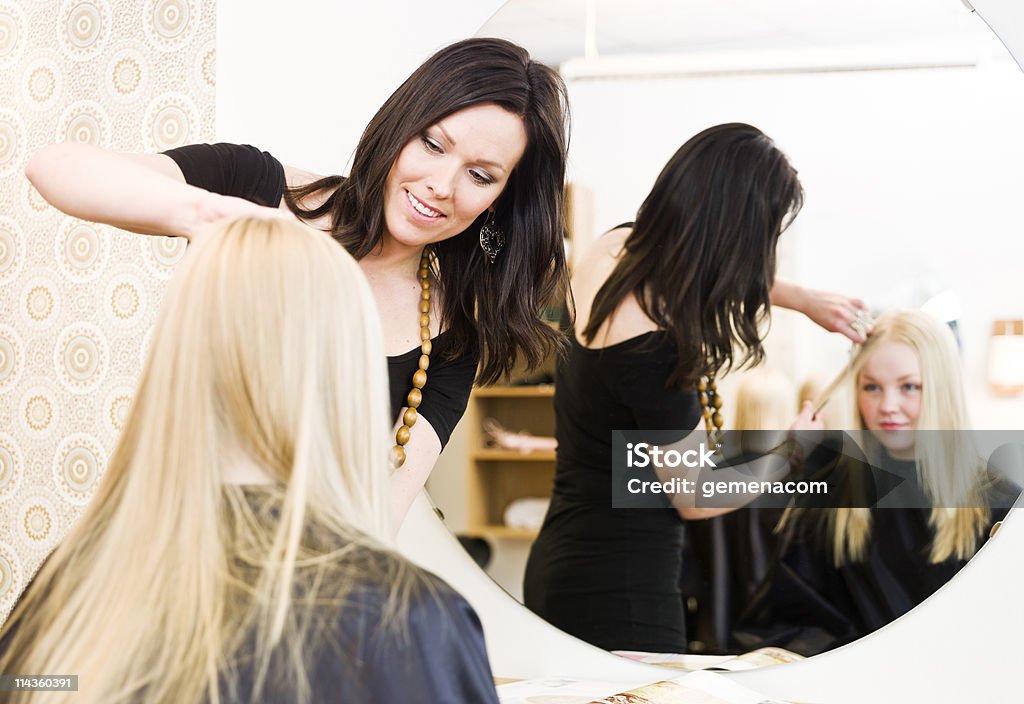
(889, 392)
(445, 177)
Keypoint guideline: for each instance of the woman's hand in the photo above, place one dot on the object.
(214, 208)
(832, 311)
(806, 419)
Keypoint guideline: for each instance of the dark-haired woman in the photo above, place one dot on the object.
(662, 303)
(453, 208)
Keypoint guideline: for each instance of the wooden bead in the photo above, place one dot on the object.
(717, 420)
(425, 295)
(427, 347)
(717, 402)
(410, 416)
(403, 435)
(702, 386)
(703, 399)
(397, 456)
(424, 334)
(424, 271)
(419, 378)
(414, 398)
(424, 321)
(425, 285)
(707, 414)
(424, 306)
(424, 362)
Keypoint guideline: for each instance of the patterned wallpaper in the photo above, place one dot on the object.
(77, 300)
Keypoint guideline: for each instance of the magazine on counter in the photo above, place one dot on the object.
(692, 688)
(762, 657)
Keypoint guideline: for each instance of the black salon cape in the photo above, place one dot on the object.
(435, 652)
(244, 171)
(807, 605)
(436, 655)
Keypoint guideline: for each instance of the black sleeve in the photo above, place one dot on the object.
(232, 170)
(446, 393)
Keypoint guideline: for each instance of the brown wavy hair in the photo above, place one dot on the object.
(701, 257)
(491, 309)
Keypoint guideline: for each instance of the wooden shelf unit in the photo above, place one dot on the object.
(498, 476)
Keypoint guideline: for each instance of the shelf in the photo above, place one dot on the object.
(505, 532)
(529, 391)
(513, 456)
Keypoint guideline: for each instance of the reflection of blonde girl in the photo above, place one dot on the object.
(870, 565)
(892, 404)
(237, 548)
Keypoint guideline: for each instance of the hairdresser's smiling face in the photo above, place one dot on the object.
(889, 392)
(444, 178)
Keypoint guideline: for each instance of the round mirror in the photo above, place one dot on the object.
(898, 146)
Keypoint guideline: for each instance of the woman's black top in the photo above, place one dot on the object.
(611, 576)
(246, 172)
(808, 605)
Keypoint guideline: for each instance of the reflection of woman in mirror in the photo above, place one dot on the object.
(239, 545)
(676, 296)
(845, 572)
(453, 207)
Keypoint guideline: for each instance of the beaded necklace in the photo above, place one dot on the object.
(419, 377)
(711, 407)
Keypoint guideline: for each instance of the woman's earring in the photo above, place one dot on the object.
(492, 239)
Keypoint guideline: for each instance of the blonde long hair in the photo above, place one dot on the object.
(948, 464)
(268, 348)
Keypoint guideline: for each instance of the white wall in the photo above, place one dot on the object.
(302, 82)
(910, 181)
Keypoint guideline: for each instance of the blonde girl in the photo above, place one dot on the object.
(238, 546)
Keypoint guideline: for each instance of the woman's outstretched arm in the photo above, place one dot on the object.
(143, 193)
(832, 311)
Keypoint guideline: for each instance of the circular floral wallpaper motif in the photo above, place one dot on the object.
(12, 142)
(12, 358)
(170, 24)
(39, 523)
(43, 82)
(11, 576)
(12, 33)
(85, 122)
(82, 249)
(77, 466)
(40, 300)
(84, 28)
(171, 121)
(11, 466)
(12, 250)
(81, 357)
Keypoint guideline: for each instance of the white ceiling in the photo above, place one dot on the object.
(554, 30)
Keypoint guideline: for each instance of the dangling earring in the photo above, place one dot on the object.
(492, 238)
